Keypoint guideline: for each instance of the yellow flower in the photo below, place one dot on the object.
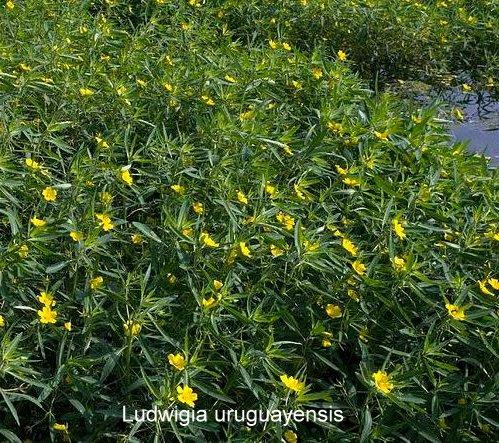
(342, 55)
(2, 321)
(492, 233)
(326, 343)
(127, 177)
(132, 328)
(288, 150)
(292, 383)
(86, 92)
(24, 67)
(333, 311)
(351, 181)
(456, 112)
(340, 170)
(494, 282)
(349, 246)
(352, 293)
(209, 302)
(244, 249)
(141, 83)
(106, 197)
(466, 87)
(241, 197)
(33, 164)
(359, 267)
(97, 282)
(273, 44)
(335, 127)
(399, 264)
(206, 239)
(179, 189)
(77, 235)
(121, 90)
(49, 194)
(104, 222)
(317, 72)
(168, 86)
(271, 190)
(398, 228)
(47, 315)
(46, 299)
(136, 239)
(187, 232)
(381, 135)
(382, 382)
(369, 162)
(38, 223)
(177, 361)
(10, 5)
(217, 284)
(246, 115)
(483, 287)
(289, 435)
(198, 208)
(186, 395)
(455, 311)
(68, 326)
(208, 100)
(59, 427)
(23, 251)
(286, 46)
(298, 191)
(101, 143)
(286, 220)
(311, 246)
(336, 232)
(276, 251)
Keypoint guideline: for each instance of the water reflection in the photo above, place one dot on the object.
(480, 127)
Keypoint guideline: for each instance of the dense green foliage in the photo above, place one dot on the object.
(444, 41)
(179, 185)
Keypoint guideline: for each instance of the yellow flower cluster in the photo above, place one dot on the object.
(382, 382)
(177, 361)
(46, 314)
(455, 311)
(398, 228)
(292, 383)
(132, 328)
(493, 283)
(276, 45)
(105, 222)
(286, 220)
(186, 395)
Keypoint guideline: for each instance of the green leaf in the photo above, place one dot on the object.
(148, 232)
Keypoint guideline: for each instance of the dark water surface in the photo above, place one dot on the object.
(480, 127)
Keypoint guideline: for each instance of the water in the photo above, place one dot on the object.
(480, 127)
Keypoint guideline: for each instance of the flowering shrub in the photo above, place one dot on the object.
(430, 39)
(191, 220)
